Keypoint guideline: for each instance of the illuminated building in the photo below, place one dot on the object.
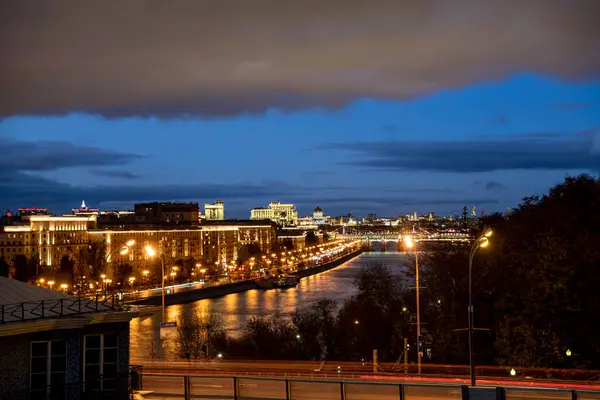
(215, 212)
(47, 237)
(25, 213)
(215, 242)
(84, 210)
(282, 214)
(167, 214)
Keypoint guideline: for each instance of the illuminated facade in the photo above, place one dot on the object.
(215, 242)
(48, 238)
(282, 214)
(215, 212)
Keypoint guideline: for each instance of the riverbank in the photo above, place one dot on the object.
(189, 296)
(326, 267)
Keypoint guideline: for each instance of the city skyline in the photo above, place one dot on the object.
(403, 107)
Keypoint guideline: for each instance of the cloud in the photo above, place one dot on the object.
(202, 57)
(115, 174)
(18, 155)
(544, 151)
(494, 185)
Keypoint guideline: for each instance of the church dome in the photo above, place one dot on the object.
(318, 209)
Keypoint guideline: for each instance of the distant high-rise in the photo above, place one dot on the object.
(283, 214)
(215, 212)
(167, 213)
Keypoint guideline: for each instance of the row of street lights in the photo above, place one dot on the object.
(482, 241)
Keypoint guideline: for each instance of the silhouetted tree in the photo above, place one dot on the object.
(287, 244)
(25, 271)
(535, 286)
(311, 239)
(66, 268)
(122, 273)
(248, 250)
(4, 268)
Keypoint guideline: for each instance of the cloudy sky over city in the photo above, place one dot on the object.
(357, 106)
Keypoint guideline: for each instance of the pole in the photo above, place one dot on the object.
(374, 360)
(470, 316)
(419, 349)
(405, 356)
(162, 263)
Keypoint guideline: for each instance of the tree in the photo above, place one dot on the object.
(246, 251)
(535, 286)
(123, 272)
(92, 260)
(196, 335)
(287, 244)
(25, 270)
(4, 268)
(66, 268)
(311, 239)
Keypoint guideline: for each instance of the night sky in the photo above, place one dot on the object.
(357, 106)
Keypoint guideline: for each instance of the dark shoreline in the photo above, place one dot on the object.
(236, 287)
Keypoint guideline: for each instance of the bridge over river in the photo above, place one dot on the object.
(419, 237)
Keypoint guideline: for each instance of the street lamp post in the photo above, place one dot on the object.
(481, 241)
(408, 241)
(123, 250)
(151, 252)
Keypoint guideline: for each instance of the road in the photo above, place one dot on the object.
(266, 380)
(165, 387)
(172, 387)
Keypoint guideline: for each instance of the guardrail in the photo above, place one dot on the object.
(162, 386)
(57, 307)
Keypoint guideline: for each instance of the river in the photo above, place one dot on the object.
(236, 309)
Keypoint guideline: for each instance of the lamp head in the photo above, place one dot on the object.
(150, 251)
(124, 250)
(483, 242)
(488, 232)
(408, 242)
(130, 242)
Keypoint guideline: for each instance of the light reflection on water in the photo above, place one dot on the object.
(235, 309)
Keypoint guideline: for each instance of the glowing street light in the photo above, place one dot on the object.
(482, 241)
(409, 243)
(151, 253)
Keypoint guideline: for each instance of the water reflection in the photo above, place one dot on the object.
(235, 309)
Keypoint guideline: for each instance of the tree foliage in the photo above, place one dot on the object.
(534, 287)
(311, 239)
(197, 335)
(4, 267)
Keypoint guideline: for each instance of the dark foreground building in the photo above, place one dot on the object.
(57, 346)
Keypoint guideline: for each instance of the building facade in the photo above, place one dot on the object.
(216, 242)
(214, 212)
(63, 348)
(165, 214)
(282, 214)
(48, 238)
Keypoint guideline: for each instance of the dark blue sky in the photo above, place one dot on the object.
(386, 108)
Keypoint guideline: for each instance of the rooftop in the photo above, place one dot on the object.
(21, 301)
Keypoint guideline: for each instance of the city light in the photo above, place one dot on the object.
(150, 251)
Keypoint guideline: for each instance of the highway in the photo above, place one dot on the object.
(172, 387)
(266, 380)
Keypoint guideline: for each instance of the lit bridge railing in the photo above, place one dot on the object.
(161, 386)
